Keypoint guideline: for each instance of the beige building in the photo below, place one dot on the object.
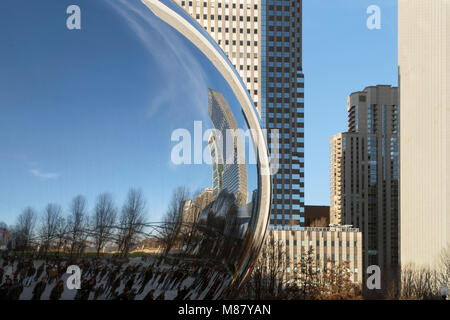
(336, 163)
(424, 71)
(364, 174)
(339, 244)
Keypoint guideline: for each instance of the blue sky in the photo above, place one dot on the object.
(340, 56)
(92, 110)
(58, 86)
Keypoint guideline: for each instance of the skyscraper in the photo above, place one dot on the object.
(263, 40)
(424, 71)
(364, 169)
(227, 149)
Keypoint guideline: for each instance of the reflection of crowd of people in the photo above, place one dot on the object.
(223, 236)
(110, 279)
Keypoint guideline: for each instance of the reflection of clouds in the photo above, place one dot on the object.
(181, 74)
(22, 157)
(43, 175)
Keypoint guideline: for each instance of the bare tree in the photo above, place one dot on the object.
(103, 220)
(77, 223)
(132, 220)
(25, 225)
(422, 282)
(273, 278)
(319, 223)
(444, 276)
(419, 283)
(49, 225)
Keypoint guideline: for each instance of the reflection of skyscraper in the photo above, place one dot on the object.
(234, 175)
(217, 164)
(263, 40)
(192, 209)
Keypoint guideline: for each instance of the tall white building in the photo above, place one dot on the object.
(424, 71)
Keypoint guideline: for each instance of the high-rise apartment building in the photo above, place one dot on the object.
(424, 72)
(364, 173)
(263, 40)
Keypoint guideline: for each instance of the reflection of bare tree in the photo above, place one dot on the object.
(132, 221)
(26, 222)
(61, 234)
(170, 234)
(103, 220)
(77, 223)
(49, 225)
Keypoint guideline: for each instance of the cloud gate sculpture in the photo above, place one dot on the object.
(138, 155)
(233, 230)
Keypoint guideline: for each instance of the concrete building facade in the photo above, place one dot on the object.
(424, 76)
(338, 244)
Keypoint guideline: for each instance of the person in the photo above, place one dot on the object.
(132, 294)
(53, 273)
(39, 271)
(16, 290)
(57, 290)
(4, 289)
(116, 283)
(30, 273)
(130, 281)
(147, 276)
(125, 295)
(149, 295)
(99, 291)
(162, 295)
(182, 293)
(39, 289)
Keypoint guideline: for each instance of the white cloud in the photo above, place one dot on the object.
(44, 175)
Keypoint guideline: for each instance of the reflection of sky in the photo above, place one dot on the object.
(91, 111)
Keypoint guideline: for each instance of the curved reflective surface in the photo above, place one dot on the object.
(148, 146)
